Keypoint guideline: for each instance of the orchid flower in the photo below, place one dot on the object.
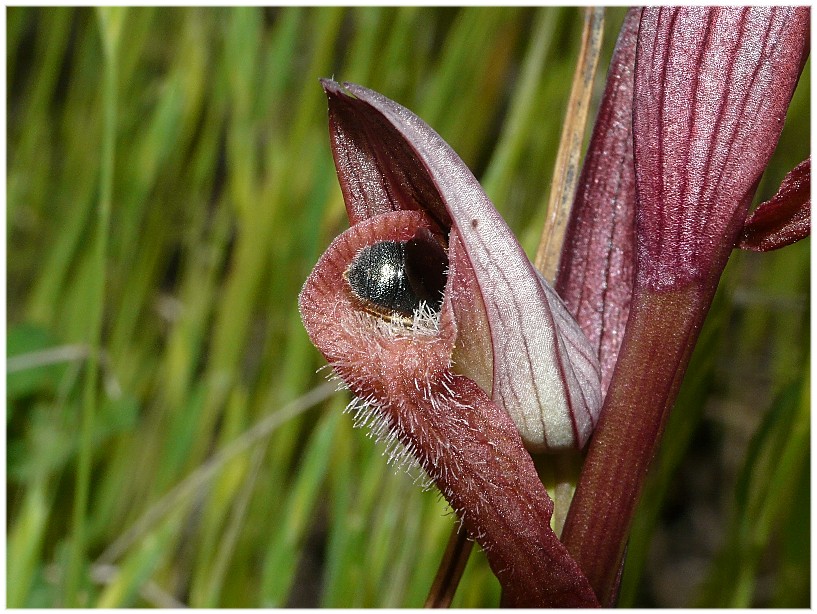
(429, 311)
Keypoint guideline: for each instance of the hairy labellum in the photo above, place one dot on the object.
(466, 443)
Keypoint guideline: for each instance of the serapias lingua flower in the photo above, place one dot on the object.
(500, 365)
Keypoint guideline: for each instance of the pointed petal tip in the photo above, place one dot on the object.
(345, 89)
(785, 218)
(333, 89)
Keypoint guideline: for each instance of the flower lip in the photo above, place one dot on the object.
(466, 443)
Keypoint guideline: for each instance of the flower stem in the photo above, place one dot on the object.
(661, 335)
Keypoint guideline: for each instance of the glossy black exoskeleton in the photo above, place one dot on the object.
(392, 278)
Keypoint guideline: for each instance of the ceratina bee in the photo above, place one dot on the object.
(393, 278)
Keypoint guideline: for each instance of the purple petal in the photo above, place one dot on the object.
(711, 91)
(377, 169)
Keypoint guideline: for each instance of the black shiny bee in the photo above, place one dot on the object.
(392, 278)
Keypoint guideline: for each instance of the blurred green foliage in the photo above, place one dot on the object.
(170, 186)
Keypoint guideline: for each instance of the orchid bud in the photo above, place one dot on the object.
(711, 92)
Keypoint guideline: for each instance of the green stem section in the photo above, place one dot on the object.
(661, 334)
(96, 302)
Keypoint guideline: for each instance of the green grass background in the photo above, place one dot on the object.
(170, 186)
